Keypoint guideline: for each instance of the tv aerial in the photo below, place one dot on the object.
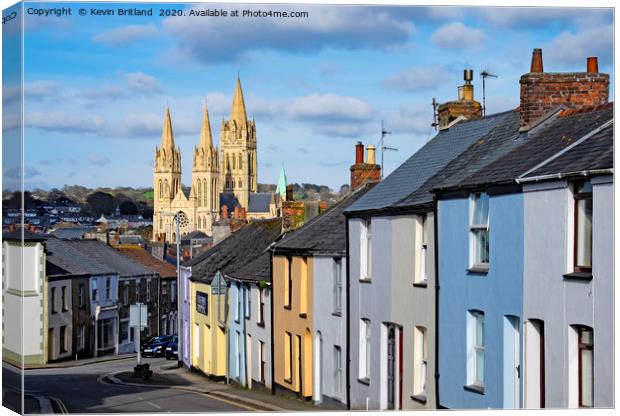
(484, 75)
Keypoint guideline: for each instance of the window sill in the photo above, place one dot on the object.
(479, 269)
(261, 324)
(364, 380)
(287, 307)
(474, 388)
(420, 284)
(338, 314)
(365, 280)
(420, 398)
(578, 276)
(303, 315)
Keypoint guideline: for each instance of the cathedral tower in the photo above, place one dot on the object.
(205, 179)
(166, 179)
(238, 166)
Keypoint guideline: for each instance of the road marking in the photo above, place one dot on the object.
(61, 405)
(243, 406)
(154, 405)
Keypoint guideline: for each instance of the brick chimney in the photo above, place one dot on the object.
(362, 172)
(224, 212)
(465, 106)
(542, 91)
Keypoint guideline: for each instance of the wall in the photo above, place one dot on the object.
(60, 317)
(23, 294)
(498, 293)
(330, 326)
(368, 300)
(561, 302)
(290, 320)
(81, 316)
(260, 332)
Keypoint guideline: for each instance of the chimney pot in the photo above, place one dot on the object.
(370, 157)
(537, 61)
(468, 75)
(359, 153)
(592, 65)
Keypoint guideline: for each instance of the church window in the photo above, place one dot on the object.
(234, 163)
(204, 192)
(240, 183)
(199, 192)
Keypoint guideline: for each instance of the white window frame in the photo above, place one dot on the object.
(364, 348)
(337, 290)
(366, 249)
(420, 356)
(337, 371)
(474, 349)
(421, 249)
(475, 229)
(95, 291)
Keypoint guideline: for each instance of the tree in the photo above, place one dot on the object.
(99, 203)
(127, 207)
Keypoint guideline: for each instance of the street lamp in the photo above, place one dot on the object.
(179, 322)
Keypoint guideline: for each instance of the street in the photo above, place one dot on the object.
(82, 390)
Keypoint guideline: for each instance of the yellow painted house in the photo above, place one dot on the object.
(208, 338)
(292, 323)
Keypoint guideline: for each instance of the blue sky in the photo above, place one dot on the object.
(96, 87)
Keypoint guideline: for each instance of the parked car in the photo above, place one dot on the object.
(156, 346)
(172, 349)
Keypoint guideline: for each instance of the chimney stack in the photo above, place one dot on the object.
(362, 172)
(592, 65)
(236, 213)
(465, 106)
(359, 153)
(289, 192)
(542, 92)
(537, 61)
(224, 212)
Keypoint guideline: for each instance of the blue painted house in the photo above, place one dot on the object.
(481, 243)
(239, 310)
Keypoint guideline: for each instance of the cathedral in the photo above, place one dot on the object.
(224, 180)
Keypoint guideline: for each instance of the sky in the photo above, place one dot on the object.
(96, 87)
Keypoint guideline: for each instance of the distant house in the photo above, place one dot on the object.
(24, 299)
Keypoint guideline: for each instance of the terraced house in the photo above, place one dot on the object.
(217, 338)
(508, 327)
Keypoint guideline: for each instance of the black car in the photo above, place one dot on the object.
(172, 349)
(156, 346)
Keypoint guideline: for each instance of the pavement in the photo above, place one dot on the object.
(179, 378)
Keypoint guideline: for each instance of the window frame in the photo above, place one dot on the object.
(261, 306)
(63, 295)
(578, 197)
(62, 337)
(365, 350)
(473, 348)
(421, 361)
(337, 289)
(366, 250)
(288, 366)
(475, 229)
(108, 288)
(338, 370)
(53, 299)
(582, 346)
(81, 295)
(288, 304)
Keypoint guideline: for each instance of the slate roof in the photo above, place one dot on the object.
(109, 257)
(427, 161)
(143, 257)
(64, 256)
(71, 233)
(503, 138)
(548, 139)
(257, 270)
(259, 201)
(28, 236)
(325, 233)
(236, 250)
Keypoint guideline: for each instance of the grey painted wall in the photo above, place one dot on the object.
(331, 327)
(59, 318)
(390, 298)
(259, 333)
(561, 302)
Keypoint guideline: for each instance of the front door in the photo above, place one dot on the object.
(391, 364)
(512, 363)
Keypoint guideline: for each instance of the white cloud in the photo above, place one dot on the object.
(151, 125)
(326, 107)
(142, 83)
(527, 17)
(42, 89)
(125, 35)
(572, 49)
(456, 35)
(327, 26)
(57, 121)
(417, 79)
(412, 120)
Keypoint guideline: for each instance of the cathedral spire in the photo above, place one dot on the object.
(206, 142)
(238, 113)
(281, 188)
(167, 138)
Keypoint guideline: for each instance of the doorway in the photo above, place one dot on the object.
(318, 368)
(512, 363)
(391, 366)
(534, 376)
